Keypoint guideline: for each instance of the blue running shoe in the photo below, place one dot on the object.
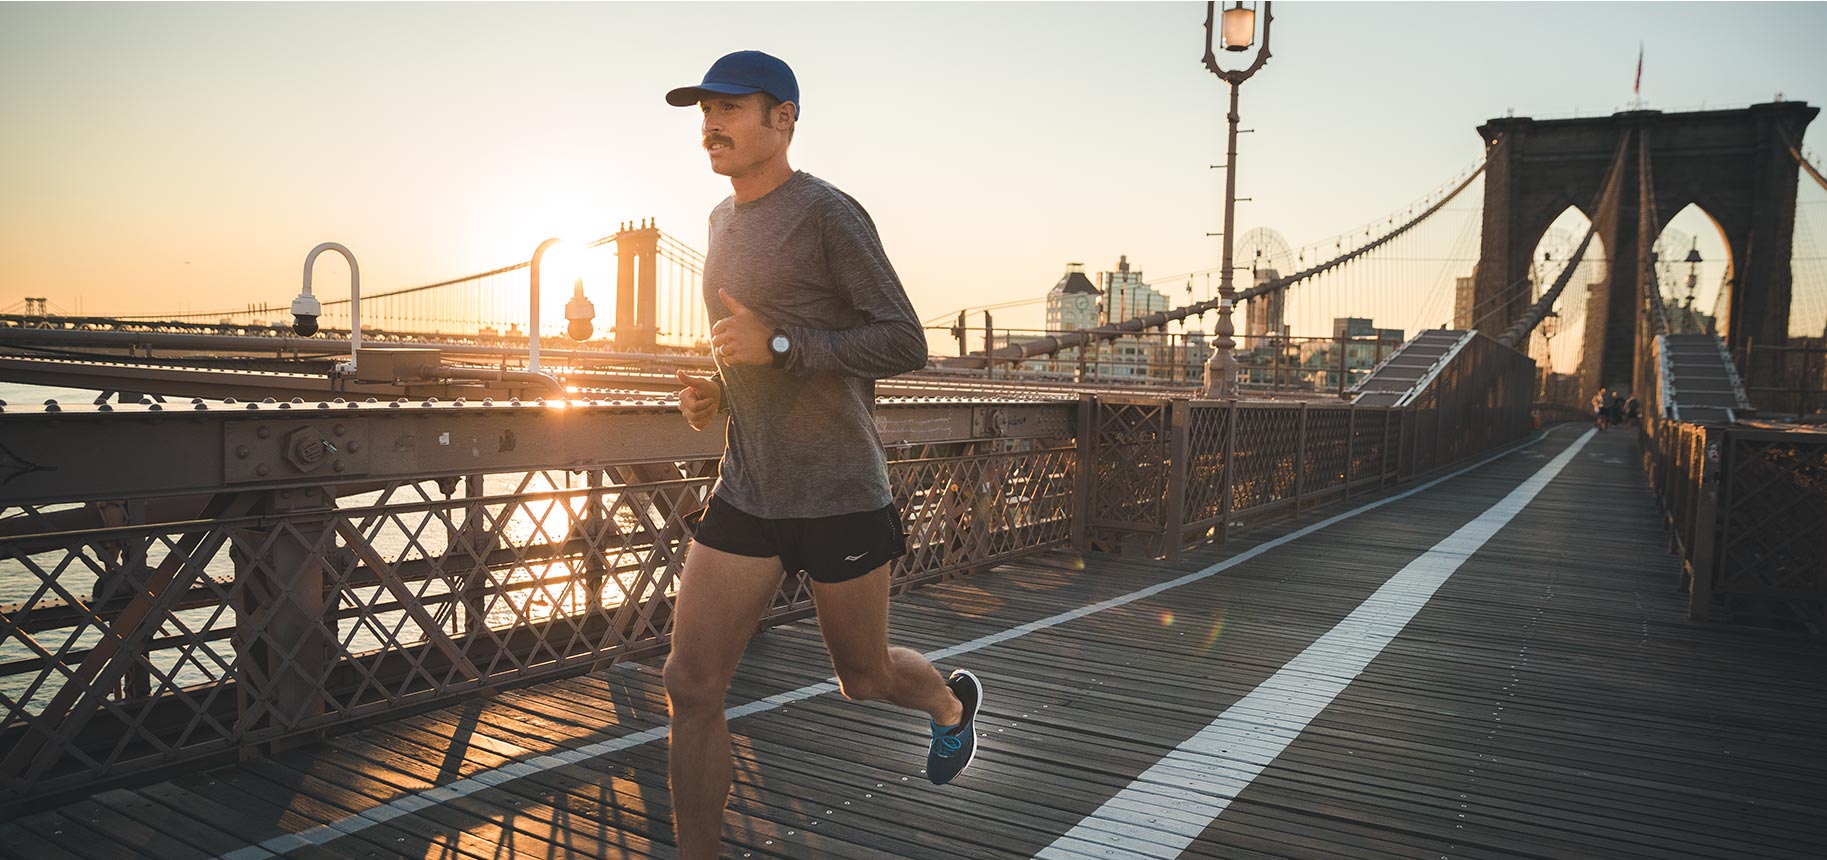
(954, 746)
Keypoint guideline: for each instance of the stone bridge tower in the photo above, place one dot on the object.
(1733, 164)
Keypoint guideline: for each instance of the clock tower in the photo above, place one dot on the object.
(1072, 304)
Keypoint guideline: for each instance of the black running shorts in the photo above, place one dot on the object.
(828, 549)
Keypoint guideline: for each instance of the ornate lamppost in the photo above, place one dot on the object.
(1238, 32)
(1688, 321)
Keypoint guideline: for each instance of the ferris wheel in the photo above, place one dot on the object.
(1263, 248)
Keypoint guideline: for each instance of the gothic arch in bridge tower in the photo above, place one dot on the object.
(1732, 163)
(1713, 245)
(1553, 249)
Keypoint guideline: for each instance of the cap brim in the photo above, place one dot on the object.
(688, 96)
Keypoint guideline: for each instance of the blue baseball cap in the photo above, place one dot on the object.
(738, 74)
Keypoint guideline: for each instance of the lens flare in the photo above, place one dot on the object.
(1167, 619)
(1211, 636)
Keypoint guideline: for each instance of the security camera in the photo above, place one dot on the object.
(579, 311)
(305, 311)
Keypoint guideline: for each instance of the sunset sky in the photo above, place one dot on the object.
(178, 156)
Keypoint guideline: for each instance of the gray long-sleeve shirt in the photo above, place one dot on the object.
(802, 439)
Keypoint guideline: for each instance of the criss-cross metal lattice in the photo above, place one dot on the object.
(1744, 507)
(1772, 539)
(160, 629)
(271, 613)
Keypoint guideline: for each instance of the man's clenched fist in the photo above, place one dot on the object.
(741, 337)
(699, 400)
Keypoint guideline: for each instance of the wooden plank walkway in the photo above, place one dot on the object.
(1549, 701)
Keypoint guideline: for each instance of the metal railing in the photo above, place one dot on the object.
(186, 585)
(1745, 508)
(1793, 377)
(1163, 474)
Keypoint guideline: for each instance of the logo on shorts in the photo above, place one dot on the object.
(855, 557)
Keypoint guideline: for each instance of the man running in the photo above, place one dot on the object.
(807, 314)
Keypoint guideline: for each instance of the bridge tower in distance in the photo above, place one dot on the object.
(637, 251)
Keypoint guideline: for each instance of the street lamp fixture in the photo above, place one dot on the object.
(1239, 27)
(1238, 33)
(1693, 276)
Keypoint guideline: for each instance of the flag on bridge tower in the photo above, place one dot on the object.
(1637, 88)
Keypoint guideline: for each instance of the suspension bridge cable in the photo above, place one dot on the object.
(1112, 331)
(1796, 153)
(1435, 295)
(1649, 228)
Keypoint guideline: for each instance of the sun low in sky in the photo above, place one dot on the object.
(161, 157)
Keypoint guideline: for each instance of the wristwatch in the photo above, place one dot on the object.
(779, 346)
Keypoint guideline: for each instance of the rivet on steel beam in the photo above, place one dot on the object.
(394, 405)
(371, 400)
(354, 445)
(104, 407)
(297, 400)
(155, 407)
(262, 432)
(261, 470)
(514, 402)
(401, 400)
(322, 405)
(338, 466)
(241, 452)
(338, 429)
(337, 400)
(285, 406)
(201, 406)
(143, 400)
(269, 400)
(353, 405)
(429, 403)
(488, 401)
(253, 406)
(229, 400)
(457, 402)
(195, 400)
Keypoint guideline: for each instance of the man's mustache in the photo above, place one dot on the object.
(717, 138)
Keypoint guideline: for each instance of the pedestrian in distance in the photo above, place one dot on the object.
(1633, 411)
(1600, 410)
(807, 313)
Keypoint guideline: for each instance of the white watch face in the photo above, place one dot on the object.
(780, 343)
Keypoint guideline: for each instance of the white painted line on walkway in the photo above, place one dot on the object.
(507, 773)
(1201, 777)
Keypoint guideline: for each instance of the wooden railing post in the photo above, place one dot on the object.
(1300, 461)
(1083, 486)
(1179, 424)
(1229, 462)
(1387, 454)
(1712, 466)
(1351, 445)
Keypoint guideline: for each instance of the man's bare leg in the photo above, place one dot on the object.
(853, 616)
(721, 599)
